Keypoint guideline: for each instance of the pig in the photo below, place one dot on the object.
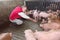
(58, 13)
(43, 16)
(35, 15)
(53, 16)
(50, 25)
(47, 35)
(6, 36)
(29, 35)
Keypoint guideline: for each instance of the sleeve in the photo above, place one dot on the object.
(23, 15)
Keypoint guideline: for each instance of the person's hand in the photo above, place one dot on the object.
(34, 21)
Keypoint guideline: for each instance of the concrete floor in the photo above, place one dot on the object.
(18, 31)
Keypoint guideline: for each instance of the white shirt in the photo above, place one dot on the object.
(22, 14)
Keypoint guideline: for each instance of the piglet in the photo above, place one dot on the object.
(29, 35)
(44, 14)
(35, 15)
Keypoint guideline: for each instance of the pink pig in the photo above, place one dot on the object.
(49, 26)
(44, 14)
(35, 15)
(47, 35)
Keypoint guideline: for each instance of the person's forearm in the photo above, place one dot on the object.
(23, 15)
(32, 20)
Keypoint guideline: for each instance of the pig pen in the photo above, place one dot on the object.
(6, 26)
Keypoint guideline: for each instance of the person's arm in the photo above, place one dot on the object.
(32, 20)
(25, 16)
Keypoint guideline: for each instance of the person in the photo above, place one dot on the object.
(18, 13)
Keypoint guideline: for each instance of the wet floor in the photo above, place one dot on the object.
(18, 31)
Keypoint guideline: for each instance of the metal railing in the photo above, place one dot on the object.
(40, 5)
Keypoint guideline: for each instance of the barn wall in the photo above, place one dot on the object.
(42, 4)
(45, 0)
